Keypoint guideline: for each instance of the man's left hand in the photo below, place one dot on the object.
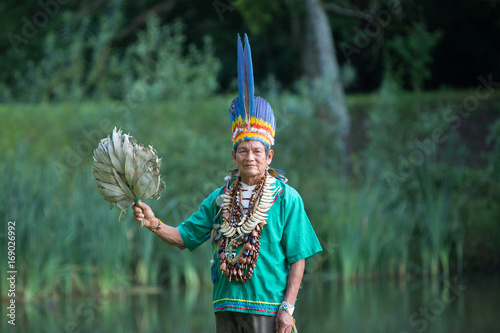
(284, 322)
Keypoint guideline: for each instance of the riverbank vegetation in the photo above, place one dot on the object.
(408, 204)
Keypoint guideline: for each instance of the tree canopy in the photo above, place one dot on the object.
(433, 43)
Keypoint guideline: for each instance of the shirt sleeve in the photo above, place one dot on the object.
(299, 239)
(197, 228)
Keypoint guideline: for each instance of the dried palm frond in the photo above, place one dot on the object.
(126, 171)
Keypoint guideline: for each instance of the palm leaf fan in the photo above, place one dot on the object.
(126, 171)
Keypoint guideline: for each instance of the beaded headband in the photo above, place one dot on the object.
(252, 117)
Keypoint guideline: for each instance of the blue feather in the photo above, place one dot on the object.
(241, 73)
(249, 89)
(215, 277)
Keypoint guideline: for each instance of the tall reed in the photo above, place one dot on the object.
(440, 201)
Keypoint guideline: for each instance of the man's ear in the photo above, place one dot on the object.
(270, 156)
(234, 156)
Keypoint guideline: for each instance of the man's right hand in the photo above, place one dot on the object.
(167, 233)
(143, 212)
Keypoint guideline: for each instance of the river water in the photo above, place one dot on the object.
(453, 306)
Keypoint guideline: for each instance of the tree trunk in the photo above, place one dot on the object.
(320, 64)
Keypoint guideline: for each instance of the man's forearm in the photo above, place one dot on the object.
(284, 321)
(294, 280)
(170, 235)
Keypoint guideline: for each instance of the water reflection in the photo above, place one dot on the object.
(444, 306)
(400, 307)
(178, 311)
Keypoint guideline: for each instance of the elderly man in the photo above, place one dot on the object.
(260, 233)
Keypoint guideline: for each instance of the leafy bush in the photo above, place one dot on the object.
(81, 62)
(408, 57)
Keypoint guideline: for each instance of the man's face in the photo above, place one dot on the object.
(251, 159)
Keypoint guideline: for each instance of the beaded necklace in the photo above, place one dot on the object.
(243, 230)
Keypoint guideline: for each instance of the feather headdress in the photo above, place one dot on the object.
(252, 117)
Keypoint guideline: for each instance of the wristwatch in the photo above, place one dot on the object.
(287, 307)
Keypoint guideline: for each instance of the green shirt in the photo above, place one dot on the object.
(286, 238)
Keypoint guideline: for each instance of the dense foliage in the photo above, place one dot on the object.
(415, 193)
(433, 217)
